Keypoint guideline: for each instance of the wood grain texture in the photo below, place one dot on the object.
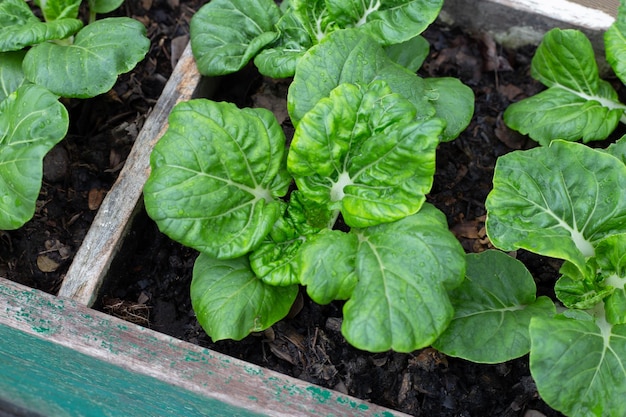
(104, 238)
(59, 355)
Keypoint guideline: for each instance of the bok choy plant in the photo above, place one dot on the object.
(564, 201)
(227, 34)
(41, 61)
(341, 210)
(577, 104)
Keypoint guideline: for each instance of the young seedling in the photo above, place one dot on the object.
(41, 61)
(577, 104)
(564, 201)
(342, 211)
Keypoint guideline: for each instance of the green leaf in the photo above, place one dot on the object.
(405, 270)
(348, 56)
(275, 261)
(579, 291)
(16, 37)
(556, 201)
(388, 22)
(226, 34)
(104, 6)
(230, 302)
(611, 260)
(90, 66)
(362, 151)
(410, 54)
(618, 149)
(558, 113)
(215, 177)
(315, 18)
(493, 308)
(327, 265)
(615, 44)
(59, 9)
(11, 74)
(279, 59)
(453, 102)
(579, 366)
(15, 13)
(32, 121)
(577, 100)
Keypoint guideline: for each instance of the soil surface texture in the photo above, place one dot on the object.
(150, 285)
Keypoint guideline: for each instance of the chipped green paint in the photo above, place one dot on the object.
(50, 379)
(253, 370)
(39, 373)
(320, 394)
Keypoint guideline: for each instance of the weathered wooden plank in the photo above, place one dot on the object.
(104, 238)
(73, 356)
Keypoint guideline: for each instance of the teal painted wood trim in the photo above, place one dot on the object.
(53, 380)
(56, 354)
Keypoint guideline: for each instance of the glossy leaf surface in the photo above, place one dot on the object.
(230, 302)
(362, 151)
(404, 271)
(579, 365)
(556, 201)
(577, 104)
(90, 66)
(226, 34)
(216, 174)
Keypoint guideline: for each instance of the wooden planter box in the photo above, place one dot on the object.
(60, 357)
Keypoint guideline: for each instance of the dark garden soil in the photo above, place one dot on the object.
(150, 285)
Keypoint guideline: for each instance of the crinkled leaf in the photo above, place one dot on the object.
(347, 56)
(388, 22)
(58, 9)
(275, 261)
(362, 151)
(15, 13)
(611, 260)
(279, 59)
(11, 74)
(579, 366)
(578, 291)
(215, 175)
(327, 265)
(90, 66)
(556, 201)
(492, 310)
(410, 54)
(315, 17)
(230, 302)
(577, 101)
(615, 44)
(405, 270)
(16, 37)
(32, 121)
(227, 34)
(558, 113)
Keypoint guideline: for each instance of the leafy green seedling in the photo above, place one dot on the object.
(566, 201)
(227, 34)
(577, 104)
(41, 61)
(363, 152)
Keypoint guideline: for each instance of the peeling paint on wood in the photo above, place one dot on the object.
(59, 355)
